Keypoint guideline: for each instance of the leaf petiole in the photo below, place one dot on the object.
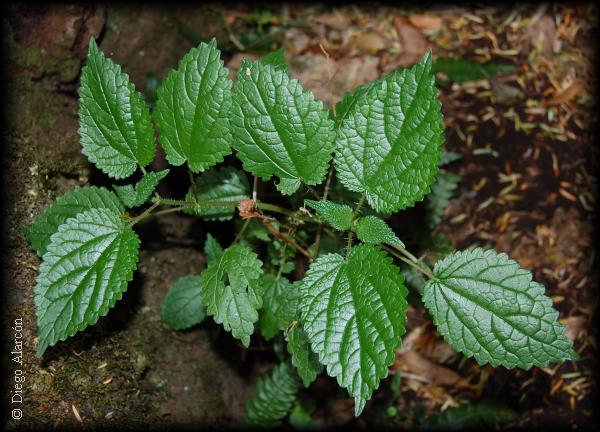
(413, 262)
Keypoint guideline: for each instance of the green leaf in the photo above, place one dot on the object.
(348, 102)
(65, 207)
(441, 193)
(353, 312)
(449, 157)
(256, 231)
(212, 249)
(135, 196)
(183, 305)
(280, 129)
(225, 184)
(487, 307)
(231, 293)
(276, 59)
(86, 269)
(273, 398)
(390, 140)
(300, 416)
(305, 360)
(339, 216)
(462, 70)
(280, 303)
(150, 93)
(373, 230)
(192, 111)
(470, 416)
(114, 122)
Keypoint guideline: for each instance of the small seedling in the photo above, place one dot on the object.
(347, 315)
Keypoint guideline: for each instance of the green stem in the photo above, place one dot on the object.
(282, 210)
(354, 215)
(148, 212)
(358, 207)
(406, 253)
(238, 237)
(193, 184)
(170, 210)
(281, 260)
(143, 215)
(168, 201)
(313, 192)
(418, 265)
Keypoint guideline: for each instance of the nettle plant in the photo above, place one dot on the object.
(347, 314)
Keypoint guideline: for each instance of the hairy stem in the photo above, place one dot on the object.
(313, 192)
(418, 265)
(168, 201)
(193, 184)
(276, 209)
(325, 193)
(170, 210)
(239, 235)
(354, 215)
(144, 215)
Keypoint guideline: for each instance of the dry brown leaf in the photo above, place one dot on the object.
(370, 43)
(415, 363)
(430, 23)
(412, 40)
(336, 20)
(566, 95)
(348, 73)
(574, 325)
(409, 341)
(440, 352)
(296, 40)
(542, 34)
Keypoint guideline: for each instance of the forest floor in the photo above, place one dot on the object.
(528, 188)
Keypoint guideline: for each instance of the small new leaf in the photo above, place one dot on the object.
(212, 249)
(183, 305)
(86, 269)
(65, 207)
(231, 292)
(339, 216)
(390, 136)
(114, 122)
(192, 111)
(373, 230)
(280, 129)
(226, 184)
(487, 307)
(135, 196)
(353, 312)
(273, 398)
(305, 360)
(280, 303)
